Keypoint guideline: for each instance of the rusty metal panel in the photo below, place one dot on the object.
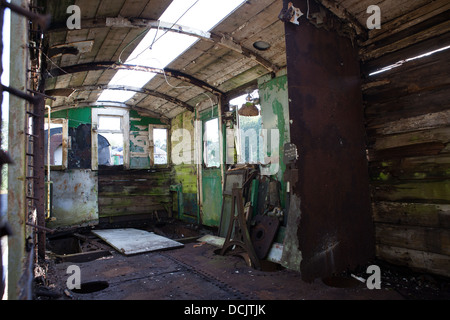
(75, 198)
(335, 231)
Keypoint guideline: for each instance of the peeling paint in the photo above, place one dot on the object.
(140, 123)
(74, 198)
(186, 174)
(212, 193)
(275, 115)
(139, 145)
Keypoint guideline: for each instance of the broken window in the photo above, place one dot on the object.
(110, 137)
(158, 136)
(211, 143)
(55, 143)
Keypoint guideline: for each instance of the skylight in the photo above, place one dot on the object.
(158, 48)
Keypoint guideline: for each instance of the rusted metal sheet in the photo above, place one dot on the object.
(39, 173)
(263, 233)
(335, 231)
(75, 198)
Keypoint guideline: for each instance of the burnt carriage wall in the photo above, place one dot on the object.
(335, 230)
(120, 193)
(408, 125)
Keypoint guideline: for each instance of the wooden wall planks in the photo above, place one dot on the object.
(132, 192)
(407, 111)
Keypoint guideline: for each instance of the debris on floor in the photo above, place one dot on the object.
(199, 272)
(132, 241)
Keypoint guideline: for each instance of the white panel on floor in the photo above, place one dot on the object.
(131, 241)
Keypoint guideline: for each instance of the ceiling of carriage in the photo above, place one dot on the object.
(82, 62)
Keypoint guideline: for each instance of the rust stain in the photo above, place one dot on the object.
(328, 130)
(77, 186)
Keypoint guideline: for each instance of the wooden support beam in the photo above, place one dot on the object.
(146, 111)
(130, 22)
(125, 88)
(407, 21)
(344, 15)
(109, 65)
(372, 52)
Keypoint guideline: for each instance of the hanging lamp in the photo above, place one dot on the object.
(249, 108)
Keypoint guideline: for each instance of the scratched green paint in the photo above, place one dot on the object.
(212, 197)
(139, 127)
(211, 183)
(76, 116)
(137, 120)
(275, 115)
(186, 173)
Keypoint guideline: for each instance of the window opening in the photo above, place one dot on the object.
(160, 146)
(110, 128)
(58, 137)
(211, 143)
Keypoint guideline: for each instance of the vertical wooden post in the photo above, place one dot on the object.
(17, 151)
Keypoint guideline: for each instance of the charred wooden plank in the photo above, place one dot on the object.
(412, 214)
(416, 259)
(433, 240)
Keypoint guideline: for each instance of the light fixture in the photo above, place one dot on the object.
(249, 108)
(261, 45)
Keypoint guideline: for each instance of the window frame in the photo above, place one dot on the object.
(151, 146)
(205, 140)
(125, 129)
(65, 144)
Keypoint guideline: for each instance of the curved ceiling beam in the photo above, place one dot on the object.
(92, 66)
(111, 104)
(126, 88)
(222, 40)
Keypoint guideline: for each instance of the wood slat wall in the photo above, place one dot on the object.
(407, 113)
(133, 192)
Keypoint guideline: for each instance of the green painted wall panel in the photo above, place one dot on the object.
(275, 115)
(186, 173)
(119, 192)
(212, 197)
(76, 116)
(211, 182)
(140, 123)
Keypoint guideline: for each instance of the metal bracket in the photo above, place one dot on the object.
(241, 236)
